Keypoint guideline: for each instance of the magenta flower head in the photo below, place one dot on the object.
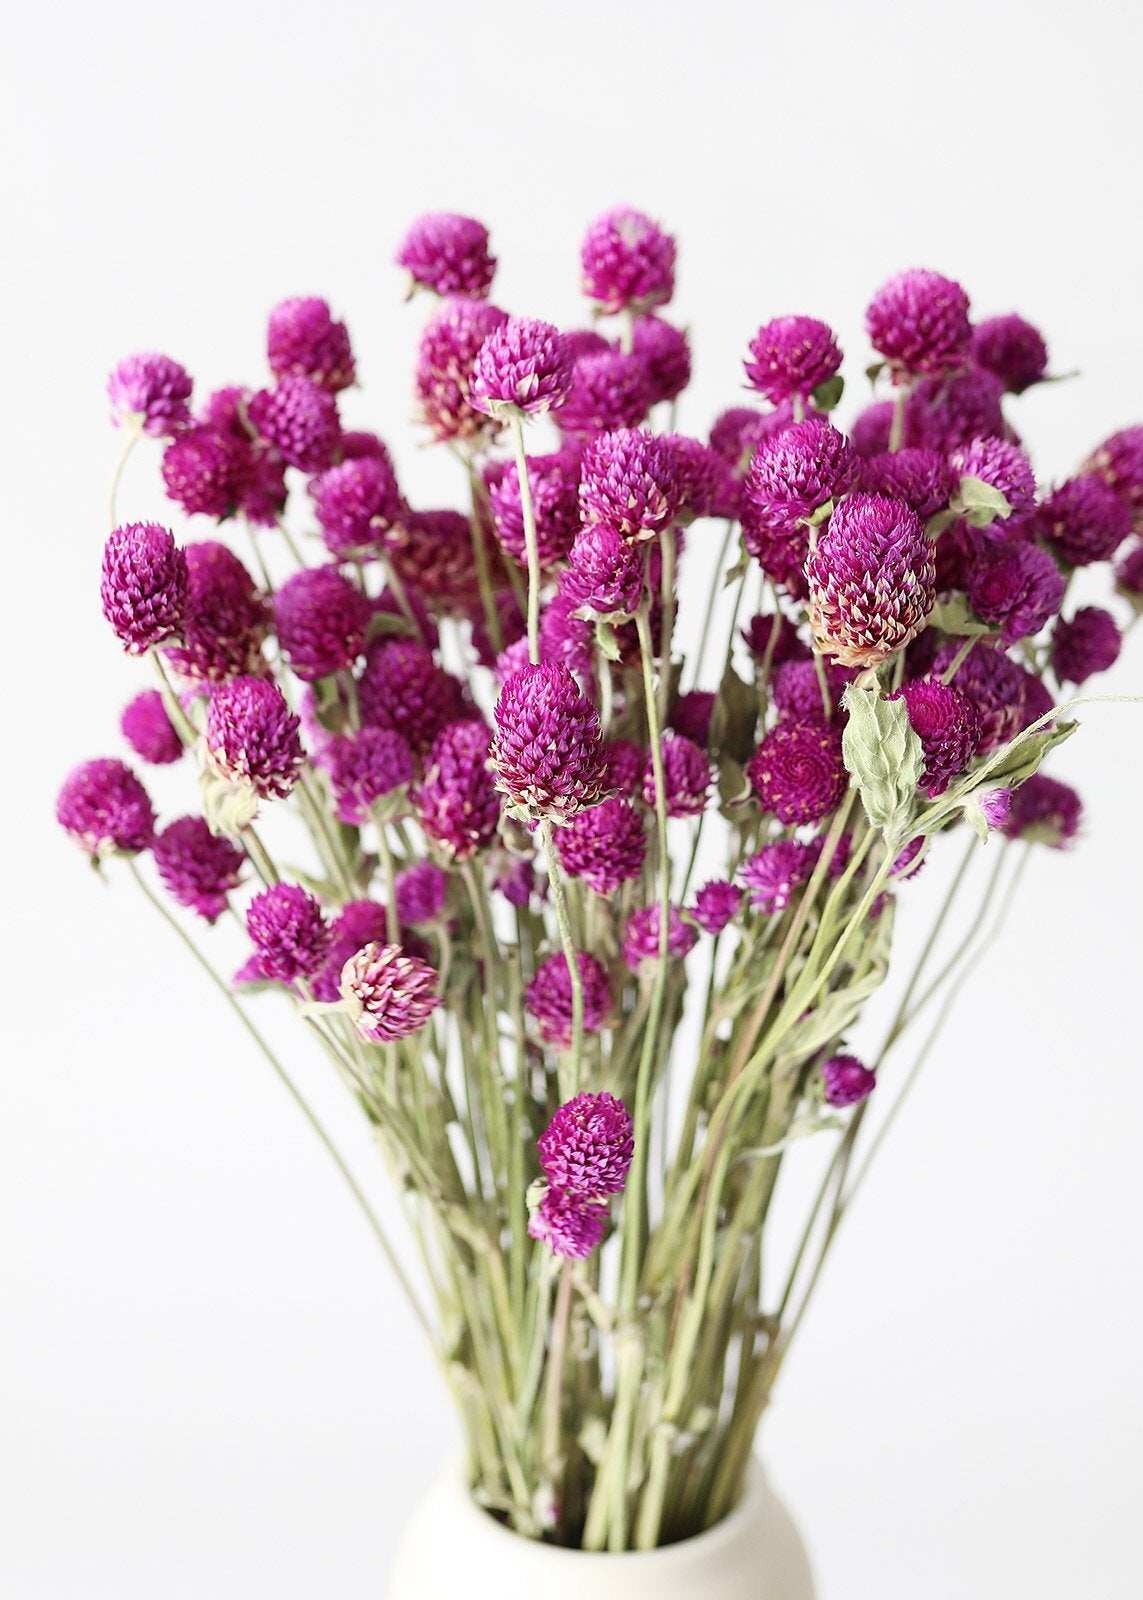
(374, 766)
(945, 413)
(420, 892)
(692, 714)
(549, 998)
(290, 934)
(604, 845)
(872, 580)
(735, 433)
(105, 808)
(1015, 586)
(772, 874)
(401, 687)
(716, 905)
(847, 1081)
(457, 805)
(790, 356)
(687, 777)
(588, 1146)
(629, 480)
(548, 749)
(256, 474)
(299, 418)
(1002, 466)
(995, 685)
(773, 637)
(144, 585)
(870, 430)
(356, 503)
(198, 472)
(604, 576)
(623, 763)
(390, 994)
(357, 924)
(198, 868)
(797, 771)
(252, 736)
(150, 392)
(1119, 462)
(1129, 574)
(149, 731)
(1044, 811)
(450, 343)
(667, 354)
(1012, 349)
(521, 367)
(796, 691)
(1087, 644)
(919, 322)
(791, 476)
(554, 482)
(610, 389)
(948, 726)
(448, 254)
(226, 618)
(568, 1224)
(921, 478)
(1083, 521)
(641, 936)
(627, 262)
(321, 619)
(994, 805)
(304, 341)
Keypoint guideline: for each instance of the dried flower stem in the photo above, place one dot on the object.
(531, 542)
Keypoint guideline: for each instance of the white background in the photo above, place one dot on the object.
(208, 1384)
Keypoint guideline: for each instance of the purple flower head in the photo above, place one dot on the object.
(921, 478)
(627, 262)
(390, 994)
(198, 868)
(304, 341)
(569, 1225)
(151, 390)
(256, 473)
(773, 873)
(623, 764)
(796, 691)
(1012, 349)
(1129, 572)
(1036, 701)
(402, 688)
(104, 807)
(522, 366)
(735, 434)
(432, 554)
(448, 254)
(641, 936)
(549, 998)
(691, 715)
(588, 1146)
(948, 726)
(1119, 462)
(847, 1081)
(1002, 466)
(667, 352)
(759, 632)
(420, 892)
(944, 413)
(225, 621)
(457, 805)
(604, 845)
(994, 684)
(321, 619)
(919, 322)
(289, 932)
(716, 905)
(450, 343)
(797, 771)
(872, 580)
(687, 777)
(604, 576)
(548, 750)
(790, 356)
(144, 585)
(149, 731)
(252, 736)
(611, 389)
(356, 503)
(707, 486)
(1045, 811)
(792, 475)
(1017, 587)
(629, 480)
(357, 924)
(299, 418)
(1083, 521)
(1087, 644)
(566, 639)
(372, 766)
(869, 433)
(554, 482)
(995, 806)
(197, 471)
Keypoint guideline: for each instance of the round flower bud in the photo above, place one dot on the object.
(450, 343)
(1044, 811)
(390, 994)
(448, 254)
(629, 480)
(225, 621)
(610, 390)
(522, 366)
(792, 475)
(1002, 466)
(197, 472)
(944, 413)
(772, 874)
(627, 262)
(604, 845)
(847, 1082)
(152, 391)
(604, 576)
(549, 998)
(368, 768)
(401, 687)
(569, 1225)
(256, 473)
(687, 777)
(420, 892)
(1083, 521)
(548, 750)
(641, 936)
(198, 868)
(790, 356)
(797, 771)
(1017, 587)
(144, 585)
(1012, 349)
(104, 807)
(948, 726)
(290, 933)
(554, 482)
(252, 736)
(149, 731)
(872, 581)
(588, 1146)
(667, 354)
(356, 503)
(304, 341)
(457, 805)
(734, 435)
(1119, 462)
(299, 418)
(716, 905)
(918, 321)
(1087, 644)
(321, 619)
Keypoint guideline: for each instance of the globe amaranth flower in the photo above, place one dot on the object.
(611, 389)
(772, 637)
(790, 356)
(290, 933)
(448, 254)
(796, 691)
(401, 687)
(797, 771)
(304, 341)
(716, 905)
(521, 367)
(872, 580)
(623, 763)
(1129, 573)
(252, 736)
(1083, 521)
(847, 1081)
(321, 620)
(791, 476)
(1002, 466)
(604, 576)
(945, 413)
(1015, 586)
(773, 873)
(994, 805)
(432, 553)
(921, 478)
(225, 622)
(143, 587)
(605, 845)
(948, 726)
(299, 418)
(735, 433)
(356, 503)
(456, 801)
(375, 765)
(691, 715)
(358, 923)
(627, 262)
(420, 892)
(687, 777)
(390, 994)
(918, 321)
(548, 749)
(641, 936)
(1045, 811)
(256, 473)
(198, 868)
(549, 998)
(1012, 349)
(104, 807)
(151, 391)
(629, 480)
(1086, 644)
(667, 353)
(1119, 462)
(588, 1146)
(568, 1224)
(554, 482)
(707, 486)
(995, 685)
(870, 430)
(197, 470)
(149, 730)
(446, 357)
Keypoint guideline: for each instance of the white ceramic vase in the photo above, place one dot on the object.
(452, 1548)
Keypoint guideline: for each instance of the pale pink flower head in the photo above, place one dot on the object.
(151, 392)
(523, 366)
(105, 808)
(448, 254)
(304, 341)
(790, 356)
(627, 262)
(918, 321)
(390, 994)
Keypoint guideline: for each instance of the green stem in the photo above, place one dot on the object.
(531, 542)
(716, 585)
(569, 1078)
(132, 432)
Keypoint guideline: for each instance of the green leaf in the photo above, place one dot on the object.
(606, 641)
(738, 570)
(1023, 758)
(954, 617)
(874, 371)
(827, 394)
(979, 503)
(884, 756)
(735, 718)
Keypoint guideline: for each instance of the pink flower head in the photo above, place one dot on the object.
(629, 480)
(735, 433)
(448, 254)
(869, 433)
(1002, 466)
(432, 554)
(290, 933)
(772, 874)
(604, 576)
(358, 923)
(797, 771)
(105, 808)
(759, 638)
(691, 715)
(667, 353)
(401, 687)
(1119, 462)
(627, 262)
(548, 750)
(144, 585)
(446, 358)
(1044, 811)
(1129, 572)
(918, 321)
(252, 736)
(299, 418)
(611, 389)
(152, 391)
(256, 473)
(149, 731)
(946, 412)
(847, 1081)
(356, 503)
(796, 691)
(1015, 586)
(872, 580)
(716, 905)
(1087, 644)
(604, 845)
(792, 475)
(456, 802)
(623, 764)
(568, 1224)
(994, 684)
(588, 1146)
(321, 619)
(790, 356)
(304, 341)
(1083, 521)
(523, 367)
(198, 868)
(1012, 349)
(921, 478)
(197, 471)
(687, 777)
(641, 936)
(948, 726)
(554, 482)
(707, 487)
(995, 806)
(420, 892)
(372, 766)
(549, 998)
(390, 994)
(225, 621)
(566, 639)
